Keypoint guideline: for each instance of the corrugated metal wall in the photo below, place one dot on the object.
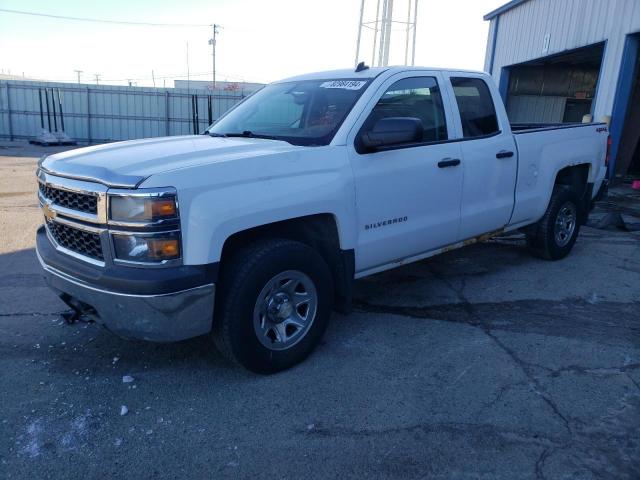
(102, 113)
(570, 24)
(535, 109)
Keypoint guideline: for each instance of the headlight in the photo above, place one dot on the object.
(147, 248)
(144, 226)
(142, 208)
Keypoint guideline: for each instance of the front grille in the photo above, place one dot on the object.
(73, 200)
(79, 241)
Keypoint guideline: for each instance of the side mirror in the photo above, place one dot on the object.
(393, 131)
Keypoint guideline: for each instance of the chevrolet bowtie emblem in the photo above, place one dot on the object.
(49, 213)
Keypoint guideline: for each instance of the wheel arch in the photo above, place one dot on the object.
(320, 232)
(577, 178)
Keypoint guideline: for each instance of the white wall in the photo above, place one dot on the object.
(570, 24)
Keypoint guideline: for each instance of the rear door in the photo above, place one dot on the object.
(407, 196)
(489, 157)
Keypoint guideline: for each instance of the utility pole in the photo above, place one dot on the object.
(97, 76)
(359, 33)
(415, 28)
(383, 24)
(387, 23)
(79, 72)
(212, 42)
(408, 30)
(154, 79)
(188, 76)
(375, 33)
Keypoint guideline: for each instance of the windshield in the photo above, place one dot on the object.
(307, 112)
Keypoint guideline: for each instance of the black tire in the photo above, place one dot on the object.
(541, 237)
(243, 278)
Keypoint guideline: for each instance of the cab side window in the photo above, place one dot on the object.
(417, 97)
(477, 112)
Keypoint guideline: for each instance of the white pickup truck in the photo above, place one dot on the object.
(255, 230)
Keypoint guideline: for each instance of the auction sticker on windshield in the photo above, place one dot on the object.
(345, 84)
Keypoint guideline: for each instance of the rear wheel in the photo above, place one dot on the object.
(554, 235)
(274, 304)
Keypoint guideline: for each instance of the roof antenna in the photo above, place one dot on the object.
(361, 66)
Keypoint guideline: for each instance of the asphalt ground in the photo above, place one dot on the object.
(480, 363)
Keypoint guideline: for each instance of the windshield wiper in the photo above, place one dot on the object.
(250, 134)
(214, 134)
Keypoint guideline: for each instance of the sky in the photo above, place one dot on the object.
(259, 41)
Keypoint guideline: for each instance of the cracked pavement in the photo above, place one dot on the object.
(481, 363)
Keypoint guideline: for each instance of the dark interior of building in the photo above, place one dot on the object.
(555, 89)
(628, 158)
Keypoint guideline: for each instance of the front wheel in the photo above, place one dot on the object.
(274, 305)
(555, 234)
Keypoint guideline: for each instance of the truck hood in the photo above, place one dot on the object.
(127, 164)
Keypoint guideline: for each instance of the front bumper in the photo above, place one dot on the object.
(164, 316)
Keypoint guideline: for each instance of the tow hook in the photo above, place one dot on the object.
(77, 310)
(71, 316)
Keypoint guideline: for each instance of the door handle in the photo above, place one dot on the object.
(448, 162)
(504, 154)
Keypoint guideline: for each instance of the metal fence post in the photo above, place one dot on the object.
(166, 111)
(88, 118)
(9, 114)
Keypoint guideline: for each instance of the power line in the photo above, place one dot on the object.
(238, 78)
(99, 20)
(178, 75)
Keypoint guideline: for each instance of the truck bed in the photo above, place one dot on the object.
(543, 150)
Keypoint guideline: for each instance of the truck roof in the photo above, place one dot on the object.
(368, 73)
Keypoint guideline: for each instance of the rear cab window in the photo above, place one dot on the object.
(475, 104)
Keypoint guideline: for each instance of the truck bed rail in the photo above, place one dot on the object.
(518, 128)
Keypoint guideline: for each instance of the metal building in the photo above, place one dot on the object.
(569, 60)
(245, 88)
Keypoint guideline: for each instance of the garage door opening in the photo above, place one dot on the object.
(628, 156)
(555, 89)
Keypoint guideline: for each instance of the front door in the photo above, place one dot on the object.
(407, 196)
